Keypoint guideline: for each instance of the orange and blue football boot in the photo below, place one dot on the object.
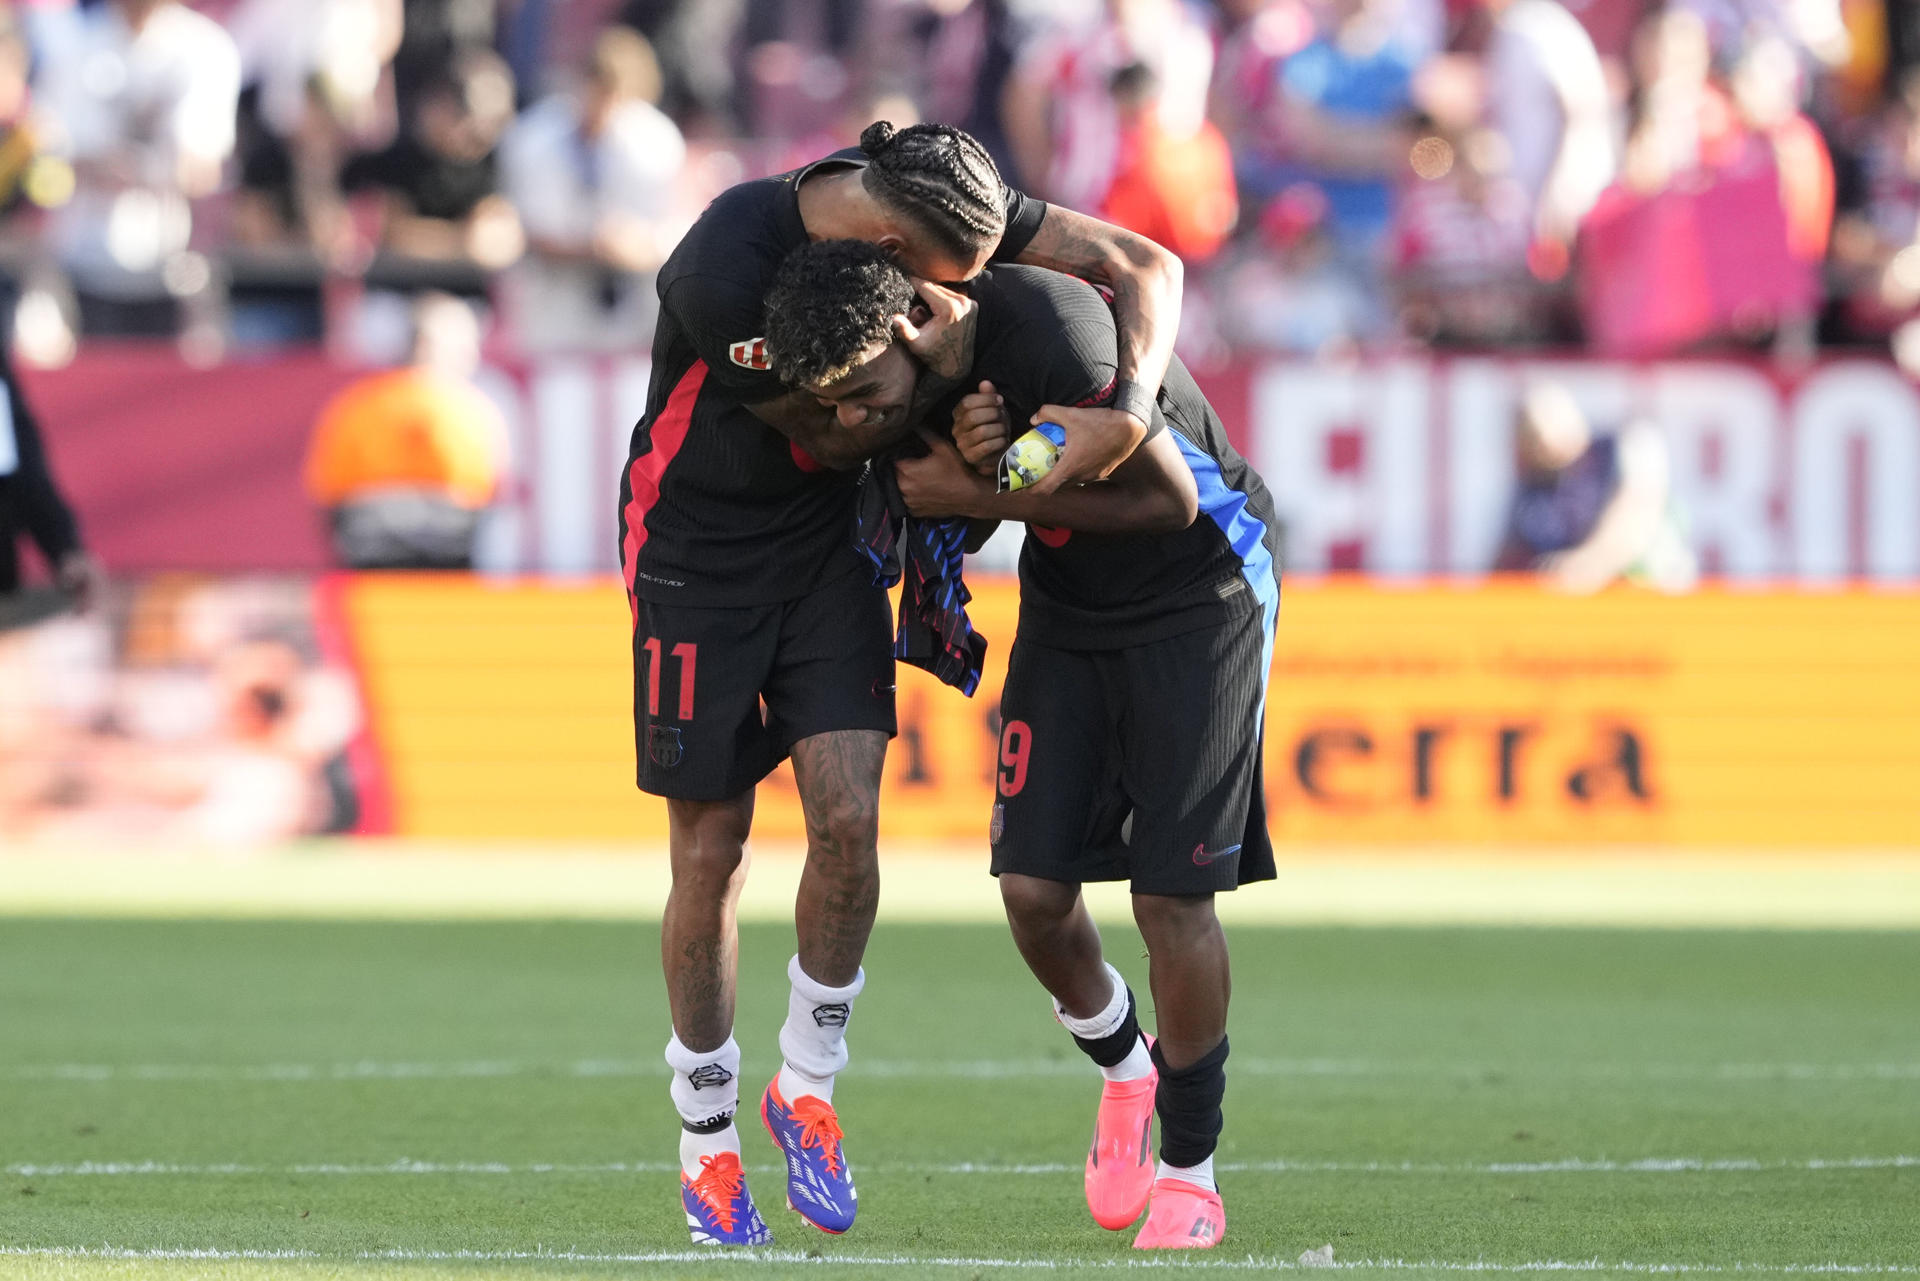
(719, 1207)
(1120, 1163)
(807, 1132)
(1182, 1216)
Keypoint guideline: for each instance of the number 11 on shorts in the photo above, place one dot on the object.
(689, 654)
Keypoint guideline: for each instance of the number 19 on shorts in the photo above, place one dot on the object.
(1016, 744)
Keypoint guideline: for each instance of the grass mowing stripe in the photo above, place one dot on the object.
(791, 1258)
(1642, 1165)
(987, 1069)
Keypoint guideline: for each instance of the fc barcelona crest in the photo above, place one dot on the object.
(663, 746)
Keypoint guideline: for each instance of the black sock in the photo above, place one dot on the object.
(1188, 1102)
(1109, 1050)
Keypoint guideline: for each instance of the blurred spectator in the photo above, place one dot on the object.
(592, 173)
(28, 175)
(1460, 247)
(1716, 231)
(1547, 98)
(1342, 114)
(1876, 245)
(1814, 29)
(1256, 37)
(1058, 108)
(695, 39)
(1175, 191)
(1285, 291)
(439, 181)
(1766, 84)
(1590, 509)
(146, 100)
(317, 89)
(404, 462)
(952, 56)
(796, 63)
(1682, 121)
(435, 36)
(31, 505)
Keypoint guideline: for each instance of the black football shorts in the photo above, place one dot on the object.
(1140, 764)
(720, 696)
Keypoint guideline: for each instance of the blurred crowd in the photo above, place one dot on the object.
(1636, 175)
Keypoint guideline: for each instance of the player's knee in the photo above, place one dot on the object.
(1174, 920)
(1034, 903)
(709, 844)
(849, 829)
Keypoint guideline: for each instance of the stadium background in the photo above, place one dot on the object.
(236, 728)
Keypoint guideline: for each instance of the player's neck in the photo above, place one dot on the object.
(835, 206)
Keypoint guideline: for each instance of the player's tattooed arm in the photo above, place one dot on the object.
(1146, 282)
(1152, 492)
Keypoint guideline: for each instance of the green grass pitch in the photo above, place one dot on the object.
(359, 1099)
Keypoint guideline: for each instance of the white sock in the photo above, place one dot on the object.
(694, 1146)
(1138, 1062)
(1137, 1066)
(1199, 1175)
(706, 1093)
(814, 1038)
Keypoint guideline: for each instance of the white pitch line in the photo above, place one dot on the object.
(790, 1258)
(1643, 1165)
(984, 1069)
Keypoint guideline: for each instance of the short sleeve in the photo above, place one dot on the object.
(1024, 216)
(726, 325)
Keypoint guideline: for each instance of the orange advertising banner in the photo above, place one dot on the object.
(1480, 714)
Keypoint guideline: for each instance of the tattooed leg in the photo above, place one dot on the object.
(839, 778)
(699, 935)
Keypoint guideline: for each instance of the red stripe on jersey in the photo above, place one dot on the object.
(643, 477)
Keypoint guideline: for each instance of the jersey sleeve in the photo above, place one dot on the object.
(727, 325)
(1024, 216)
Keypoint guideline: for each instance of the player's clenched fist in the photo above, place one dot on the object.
(941, 483)
(980, 428)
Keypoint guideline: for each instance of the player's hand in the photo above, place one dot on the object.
(1098, 440)
(941, 484)
(981, 428)
(939, 329)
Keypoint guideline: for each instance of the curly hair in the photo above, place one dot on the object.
(941, 180)
(831, 303)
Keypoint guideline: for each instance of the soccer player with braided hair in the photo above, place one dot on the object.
(759, 633)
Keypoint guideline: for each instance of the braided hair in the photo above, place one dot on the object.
(832, 301)
(941, 180)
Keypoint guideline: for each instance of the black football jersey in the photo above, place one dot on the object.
(716, 507)
(1045, 338)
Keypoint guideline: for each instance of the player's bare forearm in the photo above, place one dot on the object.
(1145, 278)
(1153, 493)
(1146, 281)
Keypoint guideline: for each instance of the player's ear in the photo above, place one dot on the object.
(893, 244)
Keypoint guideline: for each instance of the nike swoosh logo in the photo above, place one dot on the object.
(1202, 856)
